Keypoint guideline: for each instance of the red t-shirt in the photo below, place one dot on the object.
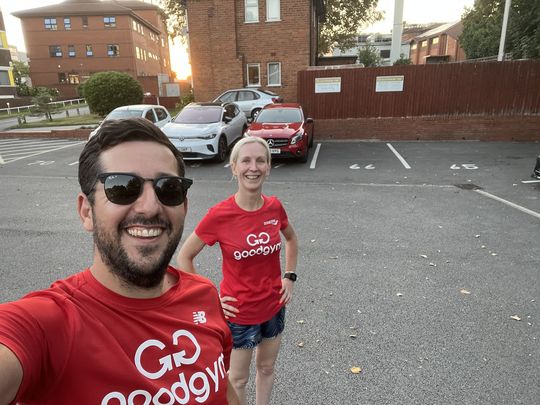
(80, 343)
(250, 243)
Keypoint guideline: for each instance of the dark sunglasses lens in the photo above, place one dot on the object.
(170, 190)
(122, 189)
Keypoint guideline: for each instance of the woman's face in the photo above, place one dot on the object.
(252, 167)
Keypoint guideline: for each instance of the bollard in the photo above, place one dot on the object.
(67, 113)
(78, 111)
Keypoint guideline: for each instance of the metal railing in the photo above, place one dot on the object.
(63, 103)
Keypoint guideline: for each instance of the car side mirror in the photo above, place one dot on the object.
(309, 120)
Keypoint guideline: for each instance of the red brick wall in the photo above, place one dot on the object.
(219, 53)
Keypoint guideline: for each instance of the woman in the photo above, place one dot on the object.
(247, 226)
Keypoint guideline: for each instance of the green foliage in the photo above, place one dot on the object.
(344, 19)
(175, 16)
(402, 60)
(482, 25)
(104, 91)
(42, 101)
(185, 100)
(369, 56)
(20, 72)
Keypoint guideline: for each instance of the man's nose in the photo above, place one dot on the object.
(148, 201)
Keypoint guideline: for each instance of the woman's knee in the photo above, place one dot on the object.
(238, 380)
(266, 367)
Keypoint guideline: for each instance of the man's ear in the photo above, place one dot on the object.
(84, 209)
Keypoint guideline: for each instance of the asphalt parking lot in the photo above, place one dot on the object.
(419, 263)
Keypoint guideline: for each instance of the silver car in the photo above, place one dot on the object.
(250, 100)
(156, 114)
(206, 130)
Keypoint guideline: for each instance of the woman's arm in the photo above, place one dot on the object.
(10, 375)
(189, 250)
(291, 258)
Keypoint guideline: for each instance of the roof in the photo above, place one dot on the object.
(282, 105)
(90, 7)
(452, 29)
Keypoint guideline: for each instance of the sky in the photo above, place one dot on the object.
(414, 11)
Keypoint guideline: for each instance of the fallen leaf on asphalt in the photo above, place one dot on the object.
(301, 321)
(476, 236)
(356, 370)
(399, 294)
(353, 336)
(494, 254)
(424, 256)
(432, 264)
(515, 318)
(483, 246)
(312, 240)
(464, 291)
(300, 344)
(333, 257)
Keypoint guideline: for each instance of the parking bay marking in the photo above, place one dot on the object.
(45, 151)
(511, 204)
(314, 158)
(403, 161)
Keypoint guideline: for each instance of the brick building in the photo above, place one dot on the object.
(440, 44)
(7, 83)
(258, 43)
(69, 41)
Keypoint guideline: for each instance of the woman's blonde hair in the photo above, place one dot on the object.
(249, 139)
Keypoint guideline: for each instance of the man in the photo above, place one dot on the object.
(130, 329)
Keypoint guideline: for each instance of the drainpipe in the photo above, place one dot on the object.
(395, 50)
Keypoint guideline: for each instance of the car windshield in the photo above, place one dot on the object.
(119, 114)
(275, 115)
(199, 115)
(270, 93)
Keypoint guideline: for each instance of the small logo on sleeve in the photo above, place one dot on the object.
(199, 317)
(271, 222)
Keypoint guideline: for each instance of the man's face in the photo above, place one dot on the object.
(136, 241)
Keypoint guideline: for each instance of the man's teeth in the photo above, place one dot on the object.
(145, 232)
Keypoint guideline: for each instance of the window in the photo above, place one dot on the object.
(62, 78)
(252, 10)
(247, 96)
(84, 21)
(150, 116)
(161, 114)
(229, 96)
(67, 23)
(113, 50)
(272, 10)
(4, 78)
(385, 53)
(55, 51)
(274, 74)
(134, 25)
(413, 47)
(89, 50)
(137, 52)
(50, 24)
(435, 41)
(71, 51)
(73, 78)
(109, 22)
(253, 74)
(423, 44)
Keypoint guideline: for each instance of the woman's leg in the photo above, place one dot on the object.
(239, 371)
(265, 357)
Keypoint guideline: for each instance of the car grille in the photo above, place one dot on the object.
(277, 142)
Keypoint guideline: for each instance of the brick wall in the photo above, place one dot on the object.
(221, 45)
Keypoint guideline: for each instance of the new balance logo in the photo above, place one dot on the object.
(199, 317)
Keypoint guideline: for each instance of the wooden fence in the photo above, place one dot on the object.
(486, 88)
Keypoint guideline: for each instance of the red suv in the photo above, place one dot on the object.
(287, 131)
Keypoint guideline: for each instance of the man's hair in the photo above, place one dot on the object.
(113, 133)
(250, 139)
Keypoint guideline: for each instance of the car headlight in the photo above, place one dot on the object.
(297, 137)
(206, 137)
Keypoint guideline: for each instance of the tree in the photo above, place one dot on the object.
(42, 101)
(21, 71)
(482, 26)
(344, 19)
(104, 91)
(402, 60)
(369, 56)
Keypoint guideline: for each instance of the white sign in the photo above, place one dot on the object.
(389, 83)
(328, 85)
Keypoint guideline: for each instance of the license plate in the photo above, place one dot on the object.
(275, 151)
(184, 149)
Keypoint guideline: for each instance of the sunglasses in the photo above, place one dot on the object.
(125, 188)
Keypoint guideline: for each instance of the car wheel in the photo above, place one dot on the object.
(304, 157)
(222, 149)
(311, 139)
(255, 112)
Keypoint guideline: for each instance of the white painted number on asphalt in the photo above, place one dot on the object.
(42, 163)
(468, 166)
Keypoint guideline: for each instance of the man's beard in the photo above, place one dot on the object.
(144, 274)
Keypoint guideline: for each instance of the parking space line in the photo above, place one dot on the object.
(403, 161)
(45, 151)
(530, 181)
(74, 163)
(314, 158)
(511, 204)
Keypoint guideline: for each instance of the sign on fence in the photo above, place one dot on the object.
(327, 84)
(389, 83)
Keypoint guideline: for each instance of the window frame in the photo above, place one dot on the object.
(109, 21)
(71, 52)
(254, 9)
(84, 21)
(113, 50)
(67, 26)
(252, 65)
(268, 74)
(269, 3)
(55, 51)
(50, 23)
(89, 50)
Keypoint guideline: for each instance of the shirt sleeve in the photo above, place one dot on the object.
(283, 218)
(206, 229)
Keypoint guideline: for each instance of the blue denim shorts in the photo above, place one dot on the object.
(249, 336)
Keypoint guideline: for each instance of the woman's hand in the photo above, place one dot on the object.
(228, 310)
(286, 291)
